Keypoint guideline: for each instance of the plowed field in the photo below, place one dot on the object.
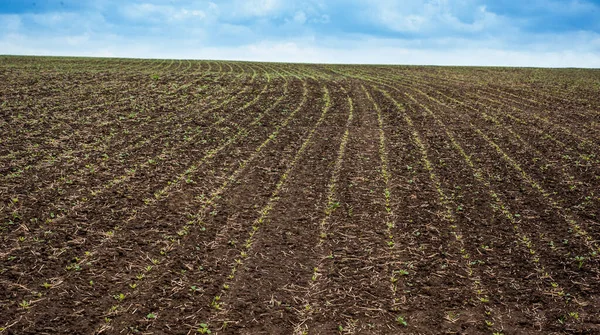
(195, 197)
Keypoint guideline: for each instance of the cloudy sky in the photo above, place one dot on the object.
(555, 33)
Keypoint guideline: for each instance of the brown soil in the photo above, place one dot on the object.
(177, 197)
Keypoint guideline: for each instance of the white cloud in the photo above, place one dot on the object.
(484, 21)
(185, 14)
(433, 16)
(442, 32)
(139, 11)
(300, 17)
(376, 52)
(157, 13)
(256, 8)
(372, 51)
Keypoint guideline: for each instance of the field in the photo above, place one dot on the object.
(195, 197)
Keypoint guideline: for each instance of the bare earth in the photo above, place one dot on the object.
(195, 197)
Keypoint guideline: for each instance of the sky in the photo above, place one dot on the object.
(541, 33)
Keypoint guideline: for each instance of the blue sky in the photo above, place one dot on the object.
(444, 32)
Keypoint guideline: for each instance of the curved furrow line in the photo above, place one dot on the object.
(291, 74)
(414, 262)
(211, 197)
(36, 86)
(78, 200)
(237, 65)
(153, 253)
(545, 95)
(170, 63)
(158, 65)
(494, 97)
(389, 218)
(500, 92)
(185, 69)
(479, 174)
(138, 65)
(193, 78)
(526, 240)
(450, 216)
(586, 192)
(526, 101)
(400, 267)
(270, 138)
(574, 183)
(77, 91)
(480, 283)
(104, 140)
(210, 109)
(27, 123)
(219, 304)
(199, 67)
(129, 65)
(85, 258)
(583, 159)
(523, 108)
(317, 72)
(583, 119)
(163, 116)
(244, 90)
(196, 66)
(576, 230)
(280, 258)
(231, 197)
(452, 234)
(302, 74)
(176, 242)
(422, 256)
(480, 112)
(168, 68)
(315, 285)
(585, 142)
(135, 146)
(179, 64)
(83, 103)
(75, 80)
(549, 197)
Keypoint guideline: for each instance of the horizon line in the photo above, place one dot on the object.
(302, 63)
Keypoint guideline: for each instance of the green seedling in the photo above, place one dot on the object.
(203, 329)
(401, 320)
